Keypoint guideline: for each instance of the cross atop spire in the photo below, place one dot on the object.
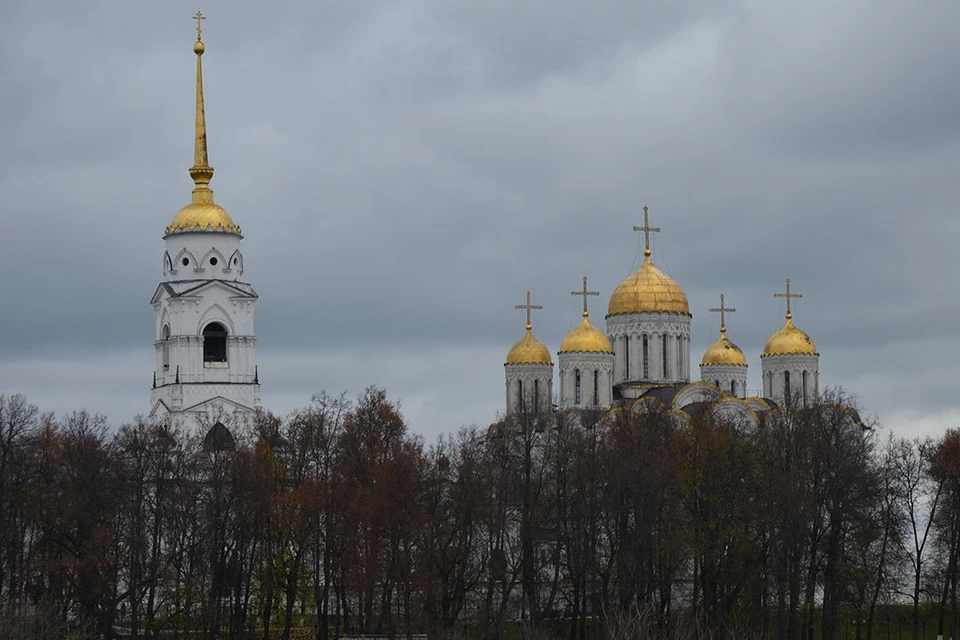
(647, 230)
(723, 310)
(788, 295)
(198, 18)
(585, 293)
(529, 307)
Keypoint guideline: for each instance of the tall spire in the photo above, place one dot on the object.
(201, 171)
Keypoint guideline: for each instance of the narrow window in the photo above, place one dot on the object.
(626, 357)
(596, 388)
(166, 347)
(733, 388)
(717, 382)
(214, 343)
(576, 389)
(536, 395)
(804, 388)
(786, 386)
(666, 372)
(646, 358)
(519, 395)
(679, 356)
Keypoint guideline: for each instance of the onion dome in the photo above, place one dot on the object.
(789, 340)
(723, 352)
(201, 214)
(648, 290)
(528, 350)
(586, 338)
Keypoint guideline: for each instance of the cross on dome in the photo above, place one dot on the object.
(722, 310)
(788, 295)
(647, 230)
(529, 307)
(585, 293)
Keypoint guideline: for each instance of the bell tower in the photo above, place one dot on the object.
(206, 369)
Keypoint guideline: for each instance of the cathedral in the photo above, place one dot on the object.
(644, 356)
(206, 371)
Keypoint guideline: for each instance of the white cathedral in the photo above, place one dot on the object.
(206, 370)
(645, 357)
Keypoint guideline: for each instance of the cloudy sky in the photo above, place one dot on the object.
(405, 171)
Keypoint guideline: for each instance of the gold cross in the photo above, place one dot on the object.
(585, 293)
(788, 295)
(723, 311)
(647, 230)
(528, 307)
(198, 18)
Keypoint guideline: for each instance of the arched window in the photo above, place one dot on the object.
(596, 388)
(626, 357)
(536, 395)
(519, 395)
(646, 358)
(679, 356)
(786, 387)
(166, 346)
(733, 388)
(666, 370)
(214, 343)
(576, 392)
(804, 388)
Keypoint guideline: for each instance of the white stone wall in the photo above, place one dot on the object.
(197, 248)
(528, 386)
(676, 329)
(587, 364)
(723, 375)
(774, 381)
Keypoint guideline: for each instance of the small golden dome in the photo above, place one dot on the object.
(528, 350)
(789, 340)
(203, 216)
(723, 352)
(586, 338)
(648, 290)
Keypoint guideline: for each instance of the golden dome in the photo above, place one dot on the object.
(528, 350)
(648, 290)
(789, 340)
(202, 216)
(723, 352)
(586, 338)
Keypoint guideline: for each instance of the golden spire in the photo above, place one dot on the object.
(585, 293)
(201, 171)
(647, 230)
(723, 311)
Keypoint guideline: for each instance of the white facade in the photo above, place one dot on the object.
(204, 334)
(730, 378)
(529, 387)
(586, 380)
(650, 348)
(789, 378)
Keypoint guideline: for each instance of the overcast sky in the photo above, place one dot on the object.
(405, 171)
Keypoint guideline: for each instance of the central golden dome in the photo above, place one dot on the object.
(202, 216)
(528, 350)
(789, 340)
(586, 338)
(648, 290)
(723, 352)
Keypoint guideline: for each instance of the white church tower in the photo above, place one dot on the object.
(723, 362)
(586, 363)
(528, 372)
(206, 370)
(790, 362)
(648, 322)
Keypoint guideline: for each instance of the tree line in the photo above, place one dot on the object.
(338, 521)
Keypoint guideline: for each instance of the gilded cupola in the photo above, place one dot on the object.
(648, 290)
(202, 214)
(789, 339)
(528, 350)
(723, 352)
(586, 338)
